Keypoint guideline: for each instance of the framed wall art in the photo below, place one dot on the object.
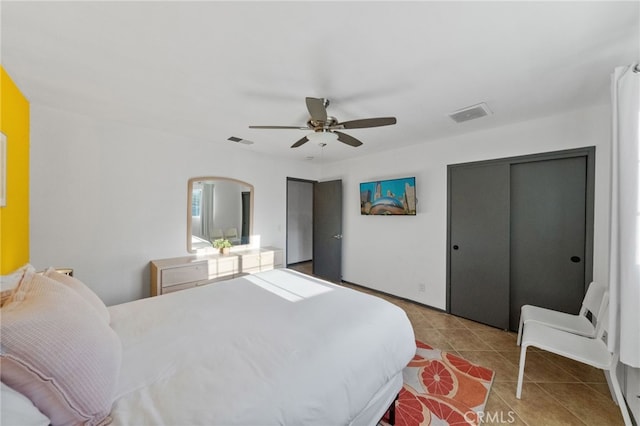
(388, 197)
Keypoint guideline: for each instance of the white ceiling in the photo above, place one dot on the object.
(210, 69)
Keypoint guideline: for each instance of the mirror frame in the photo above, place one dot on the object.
(189, 200)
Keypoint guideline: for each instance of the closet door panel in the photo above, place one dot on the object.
(548, 220)
(479, 243)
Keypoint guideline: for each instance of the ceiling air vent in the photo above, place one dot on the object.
(238, 140)
(470, 113)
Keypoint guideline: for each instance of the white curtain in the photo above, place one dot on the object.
(624, 273)
(206, 210)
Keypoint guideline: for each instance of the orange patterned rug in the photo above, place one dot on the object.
(442, 389)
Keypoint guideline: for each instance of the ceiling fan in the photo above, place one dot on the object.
(320, 122)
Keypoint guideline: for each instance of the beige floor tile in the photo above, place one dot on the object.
(536, 407)
(415, 318)
(498, 412)
(504, 371)
(538, 368)
(513, 356)
(583, 372)
(401, 303)
(473, 325)
(463, 339)
(444, 321)
(497, 339)
(601, 388)
(590, 407)
(433, 337)
(420, 323)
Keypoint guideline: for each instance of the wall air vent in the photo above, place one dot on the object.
(239, 140)
(470, 113)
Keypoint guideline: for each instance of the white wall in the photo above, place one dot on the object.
(396, 254)
(107, 198)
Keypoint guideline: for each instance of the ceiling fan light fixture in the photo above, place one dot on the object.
(323, 137)
(326, 128)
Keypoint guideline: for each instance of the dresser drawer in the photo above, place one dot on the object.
(266, 260)
(177, 287)
(184, 274)
(227, 266)
(251, 263)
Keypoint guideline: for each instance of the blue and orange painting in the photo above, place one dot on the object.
(388, 197)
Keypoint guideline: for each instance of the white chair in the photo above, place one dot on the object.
(592, 351)
(216, 234)
(594, 302)
(231, 234)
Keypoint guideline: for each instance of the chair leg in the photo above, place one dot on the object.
(611, 374)
(607, 375)
(519, 340)
(523, 355)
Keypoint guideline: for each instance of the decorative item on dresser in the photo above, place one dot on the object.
(180, 273)
(223, 245)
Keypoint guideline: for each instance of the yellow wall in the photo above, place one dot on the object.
(14, 217)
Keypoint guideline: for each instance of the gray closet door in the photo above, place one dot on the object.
(548, 220)
(479, 243)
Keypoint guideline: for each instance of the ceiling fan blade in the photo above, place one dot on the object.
(349, 140)
(280, 127)
(300, 142)
(316, 108)
(368, 122)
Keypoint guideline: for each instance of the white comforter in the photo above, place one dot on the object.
(277, 347)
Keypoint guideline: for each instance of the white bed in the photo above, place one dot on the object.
(274, 348)
(277, 347)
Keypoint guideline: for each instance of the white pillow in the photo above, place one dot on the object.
(10, 281)
(58, 352)
(16, 409)
(82, 289)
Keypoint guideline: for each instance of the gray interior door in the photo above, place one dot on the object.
(479, 243)
(246, 217)
(327, 230)
(548, 220)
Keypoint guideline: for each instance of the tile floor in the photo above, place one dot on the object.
(556, 391)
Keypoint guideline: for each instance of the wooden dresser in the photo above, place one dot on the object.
(179, 273)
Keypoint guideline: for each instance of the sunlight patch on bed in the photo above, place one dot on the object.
(289, 287)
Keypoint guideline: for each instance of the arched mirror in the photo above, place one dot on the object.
(218, 207)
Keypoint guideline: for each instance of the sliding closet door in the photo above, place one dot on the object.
(548, 228)
(479, 243)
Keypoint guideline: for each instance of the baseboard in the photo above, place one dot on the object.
(397, 297)
(298, 263)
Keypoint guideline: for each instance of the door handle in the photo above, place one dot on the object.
(338, 236)
(455, 247)
(575, 259)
